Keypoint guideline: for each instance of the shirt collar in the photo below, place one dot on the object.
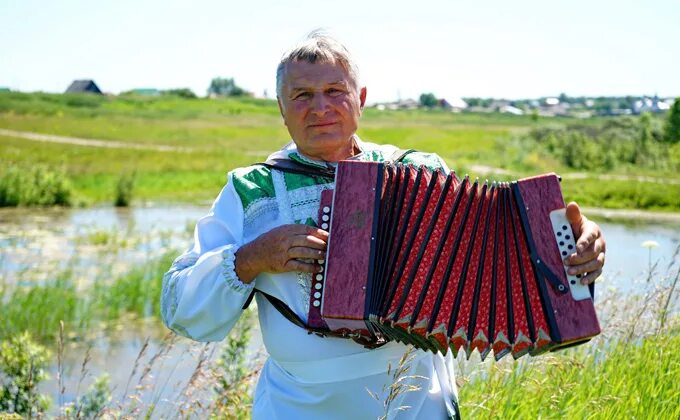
(290, 151)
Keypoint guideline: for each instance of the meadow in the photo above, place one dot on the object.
(202, 139)
(98, 283)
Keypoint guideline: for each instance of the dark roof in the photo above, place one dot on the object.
(81, 86)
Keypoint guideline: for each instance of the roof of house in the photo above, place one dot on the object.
(86, 85)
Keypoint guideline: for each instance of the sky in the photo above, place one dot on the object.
(501, 49)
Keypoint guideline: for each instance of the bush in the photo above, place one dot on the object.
(22, 364)
(34, 186)
(624, 141)
(124, 190)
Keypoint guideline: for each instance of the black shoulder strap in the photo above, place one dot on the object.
(292, 166)
(280, 306)
(399, 155)
(295, 167)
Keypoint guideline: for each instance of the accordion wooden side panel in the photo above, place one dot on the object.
(575, 320)
(348, 255)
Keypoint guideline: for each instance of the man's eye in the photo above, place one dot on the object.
(302, 95)
(334, 92)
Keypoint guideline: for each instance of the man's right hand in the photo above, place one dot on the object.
(280, 250)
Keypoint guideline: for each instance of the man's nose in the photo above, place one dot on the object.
(319, 104)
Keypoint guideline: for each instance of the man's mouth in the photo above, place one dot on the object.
(323, 124)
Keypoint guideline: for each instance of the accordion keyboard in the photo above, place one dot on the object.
(564, 237)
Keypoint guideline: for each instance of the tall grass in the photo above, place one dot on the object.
(623, 380)
(34, 186)
(124, 190)
(630, 371)
(38, 309)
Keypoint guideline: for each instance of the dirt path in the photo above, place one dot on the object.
(111, 144)
(490, 170)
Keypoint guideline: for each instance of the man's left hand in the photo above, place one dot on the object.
(590, 246)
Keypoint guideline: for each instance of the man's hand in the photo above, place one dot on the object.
(590, 246)
(280, 250)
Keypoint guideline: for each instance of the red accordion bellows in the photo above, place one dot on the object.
(427, 259)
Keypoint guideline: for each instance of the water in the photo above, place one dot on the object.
(36, 243)
(33, 237)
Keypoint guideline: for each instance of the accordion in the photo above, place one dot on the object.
(428, 259)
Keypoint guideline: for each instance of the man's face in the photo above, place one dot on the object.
(321, 106)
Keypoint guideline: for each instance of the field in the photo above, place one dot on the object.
(201, 140)
(70, 291)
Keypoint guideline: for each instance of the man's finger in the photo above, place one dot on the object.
(587, 238)
(591, 277)
(306, 252)
(589, 266)
(588, 254)
(314, 231)
(308, 241)
(297, 265)
(575, 218)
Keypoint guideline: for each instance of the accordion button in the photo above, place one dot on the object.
(316, 303)
(325, 218)
(320, 261)
(326, 209)
(324, 226)
(319, 277)
(317, 286)
(317, 295)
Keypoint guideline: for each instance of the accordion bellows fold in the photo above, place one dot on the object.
(441, 263)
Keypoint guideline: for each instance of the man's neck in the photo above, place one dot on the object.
(337, 156)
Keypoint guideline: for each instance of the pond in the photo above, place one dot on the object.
(36, 242)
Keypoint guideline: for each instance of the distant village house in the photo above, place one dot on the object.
(84, 86)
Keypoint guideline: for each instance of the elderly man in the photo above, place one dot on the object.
(261, 232)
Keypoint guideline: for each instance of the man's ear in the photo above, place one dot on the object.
(362, 97)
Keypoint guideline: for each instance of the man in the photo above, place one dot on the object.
(261, 231)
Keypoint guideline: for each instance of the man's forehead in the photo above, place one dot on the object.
(300, 74)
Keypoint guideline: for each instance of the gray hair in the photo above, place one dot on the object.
(320, 47)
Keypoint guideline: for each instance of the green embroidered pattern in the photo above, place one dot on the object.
(301, 159)
(253, 183)
(429, 160)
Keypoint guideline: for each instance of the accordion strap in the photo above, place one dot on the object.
(291, 316)
(295, 167)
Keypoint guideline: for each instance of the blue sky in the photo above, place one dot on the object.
(451, 48)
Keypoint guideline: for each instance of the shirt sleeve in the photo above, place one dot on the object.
(202, 297)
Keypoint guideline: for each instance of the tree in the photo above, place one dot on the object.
(672, 129)
(181, 92)
(225, 87)
(428, 100)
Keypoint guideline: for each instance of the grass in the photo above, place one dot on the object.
(220, 135)
(136, 292)
(629, 371)
(626, 380)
